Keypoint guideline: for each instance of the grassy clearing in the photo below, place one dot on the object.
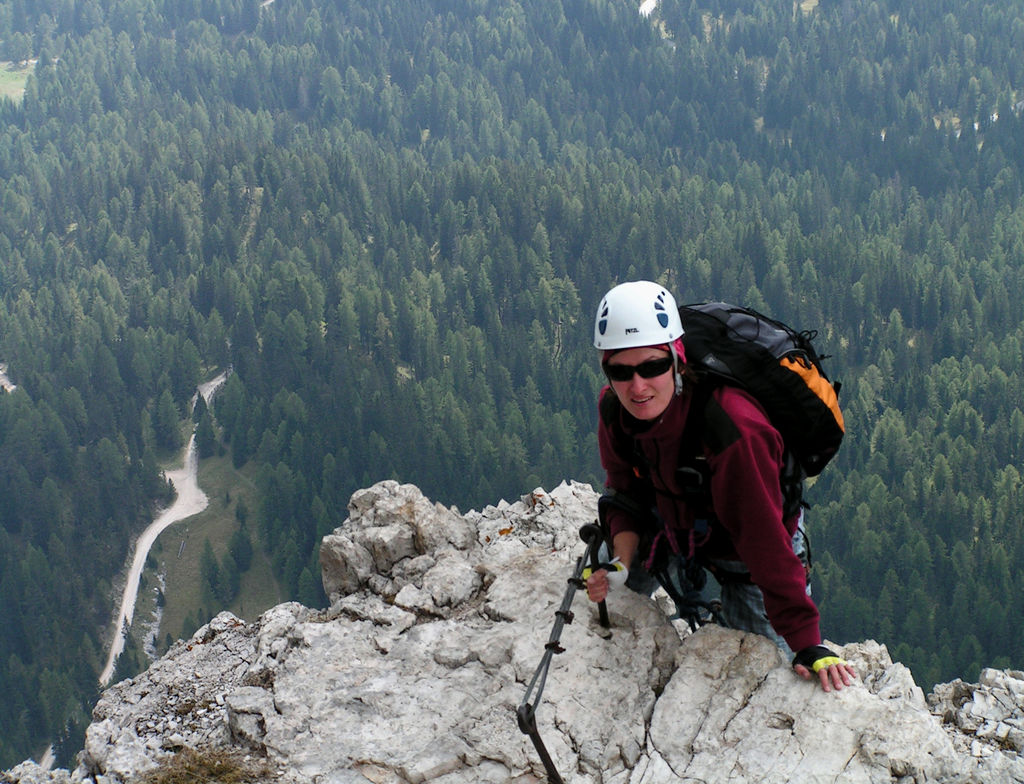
(213, 765)
(12, 80)
(177, 555)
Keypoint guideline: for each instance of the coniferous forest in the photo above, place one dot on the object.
(392, 221)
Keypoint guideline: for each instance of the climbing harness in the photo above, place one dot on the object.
(526, 714)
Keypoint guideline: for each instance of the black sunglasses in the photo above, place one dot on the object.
(649, 369)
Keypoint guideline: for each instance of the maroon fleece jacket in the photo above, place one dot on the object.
(745, 494)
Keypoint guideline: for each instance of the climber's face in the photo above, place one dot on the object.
(642, 380)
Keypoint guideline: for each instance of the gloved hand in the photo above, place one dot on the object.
(830, 669)
(601, 579)
(616, 572)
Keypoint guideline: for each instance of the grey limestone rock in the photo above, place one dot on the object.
(437, 622)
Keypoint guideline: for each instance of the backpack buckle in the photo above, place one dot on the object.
(691, 479)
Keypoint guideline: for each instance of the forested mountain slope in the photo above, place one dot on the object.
(393, 220)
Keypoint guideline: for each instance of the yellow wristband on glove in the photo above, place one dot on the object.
(817, 658)
(827, 661)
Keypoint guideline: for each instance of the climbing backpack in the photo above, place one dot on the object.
(778, 366)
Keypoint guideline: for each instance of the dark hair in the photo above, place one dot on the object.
(690, 378)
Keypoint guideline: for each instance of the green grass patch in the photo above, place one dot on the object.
(12, 80)
(178, 551)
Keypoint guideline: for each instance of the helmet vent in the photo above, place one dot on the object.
(659, 305)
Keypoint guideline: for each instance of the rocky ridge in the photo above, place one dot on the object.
(438, 621)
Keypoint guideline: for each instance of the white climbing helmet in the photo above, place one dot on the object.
(639, 313)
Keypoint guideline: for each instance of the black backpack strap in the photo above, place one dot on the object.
(692, 471)
(791, 479)
(610, 409)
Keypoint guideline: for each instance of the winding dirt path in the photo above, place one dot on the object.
(190, 500)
